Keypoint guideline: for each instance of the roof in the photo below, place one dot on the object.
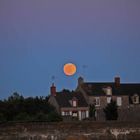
(96, 89)
(64, 98)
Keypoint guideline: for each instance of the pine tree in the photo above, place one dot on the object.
(111, 111)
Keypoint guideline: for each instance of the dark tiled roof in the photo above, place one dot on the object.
(64, 98)
(96, 89)
(131, 89)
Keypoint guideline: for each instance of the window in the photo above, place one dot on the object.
(74, 114)
(74, 103)
(119, 101)
(109, 91)
(108, 100)
(65, 113)
(135, 99)
(83, 114)
(97, 101)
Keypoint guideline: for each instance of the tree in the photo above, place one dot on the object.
(18, 108)
(54, 117)
(2, 118)
(92, 111)
(111, 111)
(23, 116)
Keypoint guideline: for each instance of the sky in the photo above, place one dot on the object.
(37, 37)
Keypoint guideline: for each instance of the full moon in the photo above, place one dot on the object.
(69, 69)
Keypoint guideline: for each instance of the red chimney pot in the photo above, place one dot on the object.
(53, 90)
(117, 81)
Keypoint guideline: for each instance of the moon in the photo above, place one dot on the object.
(69, 69)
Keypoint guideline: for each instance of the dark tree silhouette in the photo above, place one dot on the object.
(92, 111)
(18, 108)
(111, 111)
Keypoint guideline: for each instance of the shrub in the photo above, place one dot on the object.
(111, 111)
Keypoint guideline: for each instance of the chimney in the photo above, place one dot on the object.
(80, 81)
(53, 90)
(117, 81)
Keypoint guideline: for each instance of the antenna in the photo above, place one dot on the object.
(53, 79)
(84, 70)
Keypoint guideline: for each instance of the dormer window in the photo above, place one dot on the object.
(74, 102)
(108, 91)
(135, 99)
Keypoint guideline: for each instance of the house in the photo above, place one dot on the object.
(100, 94)
(69, 104)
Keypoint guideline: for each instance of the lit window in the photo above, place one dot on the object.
(108, 100)
(63, 113)
(74, 114)
(119, 101)
(74, 102)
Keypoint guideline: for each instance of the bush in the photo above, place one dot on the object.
(40, 117)
(22, 117)
(111, 111)
(2, 118)
(92, 111)
(53, 117)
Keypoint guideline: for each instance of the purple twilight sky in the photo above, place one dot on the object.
(37, 37)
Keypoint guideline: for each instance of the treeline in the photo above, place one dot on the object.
(18, 108)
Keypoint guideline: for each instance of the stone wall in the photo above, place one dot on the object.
(131, 113)
(71, 131)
